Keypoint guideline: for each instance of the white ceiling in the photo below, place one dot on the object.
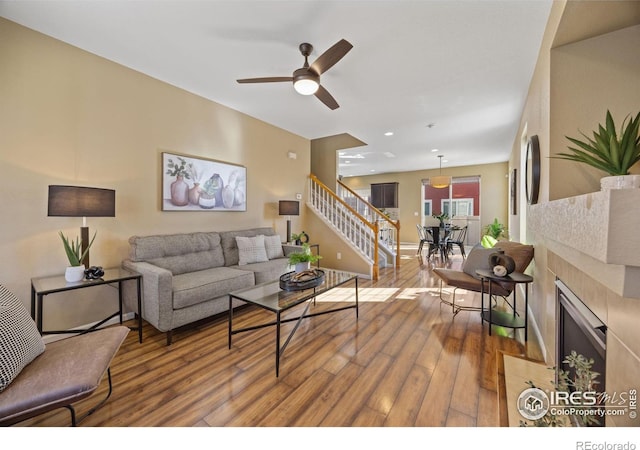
(463, 66)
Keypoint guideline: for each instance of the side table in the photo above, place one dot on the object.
(42, 286)
(502, 318)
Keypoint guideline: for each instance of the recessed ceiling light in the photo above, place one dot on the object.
(389, 155)
(389, 133)
(435, 150)
(372, 170)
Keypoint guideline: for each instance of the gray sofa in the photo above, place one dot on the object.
(187, 277)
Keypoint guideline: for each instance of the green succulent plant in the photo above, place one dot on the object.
(73, 249)
(611, 152)
(304, 256)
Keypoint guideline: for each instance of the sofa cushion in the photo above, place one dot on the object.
(230, 246)
(20, 340)
(197, 287)
(267, 271)
(178, 253)
(273, 245)
(251, 249)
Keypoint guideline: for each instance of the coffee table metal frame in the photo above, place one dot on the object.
(270, 297)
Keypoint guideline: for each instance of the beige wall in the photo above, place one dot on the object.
(494, 193)
(587, 78)
(70, 117)
(572, 87)
(324, 156)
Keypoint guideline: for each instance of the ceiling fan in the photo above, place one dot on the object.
(306, 80)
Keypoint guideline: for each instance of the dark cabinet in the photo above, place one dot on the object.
(384, 195)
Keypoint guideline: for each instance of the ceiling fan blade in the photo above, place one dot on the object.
(265, 80)
(326, 98)
(331, 56)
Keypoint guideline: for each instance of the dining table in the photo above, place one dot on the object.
(439, 235)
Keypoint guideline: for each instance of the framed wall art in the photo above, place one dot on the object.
(192, 183)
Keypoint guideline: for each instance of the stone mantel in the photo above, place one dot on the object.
(599, 233)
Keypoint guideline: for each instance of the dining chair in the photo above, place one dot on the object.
(457, 237)
(424, 238)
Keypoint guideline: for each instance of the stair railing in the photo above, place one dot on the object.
(389, 229)
(352, 225)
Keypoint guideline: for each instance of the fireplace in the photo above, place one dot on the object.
(580, 330)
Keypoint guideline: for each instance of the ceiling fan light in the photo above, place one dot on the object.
(306, 86)
(440, 181)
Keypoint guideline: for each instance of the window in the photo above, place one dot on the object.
(427, 208)
(459, 207)
(460, 199)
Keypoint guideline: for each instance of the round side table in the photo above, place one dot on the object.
(502, 318)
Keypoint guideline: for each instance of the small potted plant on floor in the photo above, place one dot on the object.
(302, 260)
(75, 255)
(609, 151)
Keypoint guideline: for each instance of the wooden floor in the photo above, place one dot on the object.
(406, 361)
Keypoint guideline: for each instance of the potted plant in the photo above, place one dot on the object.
(75, 255)
(492, 232)
(584, 379)
(611, 152)
(302, 260)
(300, 239)
(441, 217)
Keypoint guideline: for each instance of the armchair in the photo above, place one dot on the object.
(478, 258)
(35, 378)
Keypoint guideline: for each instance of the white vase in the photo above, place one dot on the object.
(620, 182)
(74, 274)
(302, 266)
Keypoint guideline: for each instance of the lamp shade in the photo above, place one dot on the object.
(289, 208)
(440, 181)
(79, 201)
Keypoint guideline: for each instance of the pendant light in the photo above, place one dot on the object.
(440, 181)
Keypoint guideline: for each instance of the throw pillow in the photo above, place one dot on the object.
(273, 246)
(20, 341)
(251, 250)
(478, 258)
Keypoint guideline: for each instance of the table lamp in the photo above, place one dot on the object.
(79, 201)
(289, 208)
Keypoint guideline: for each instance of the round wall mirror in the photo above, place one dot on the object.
(532, 170)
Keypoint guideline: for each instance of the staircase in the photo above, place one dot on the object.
(362, 226)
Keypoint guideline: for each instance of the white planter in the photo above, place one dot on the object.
(302, 266)
(74, 274)
(620, 182)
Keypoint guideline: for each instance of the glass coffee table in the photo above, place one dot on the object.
(269, 296)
